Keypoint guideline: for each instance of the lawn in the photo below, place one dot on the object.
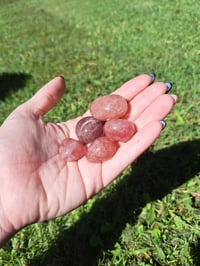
(151, 214)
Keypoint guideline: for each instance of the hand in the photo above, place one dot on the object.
(36, 184)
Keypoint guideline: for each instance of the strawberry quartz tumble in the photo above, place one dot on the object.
(72, 150)
(100, 133)
(119, 129)
(101, 149)
(109, 107)
(89, 128)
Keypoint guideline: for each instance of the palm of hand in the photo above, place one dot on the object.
(36, 180)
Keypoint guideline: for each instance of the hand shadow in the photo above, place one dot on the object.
(11, 82)
(195, 251)
(153, 176)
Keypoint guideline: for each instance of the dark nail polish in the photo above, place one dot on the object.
(153, 76)
(163, 123)
(168, 85)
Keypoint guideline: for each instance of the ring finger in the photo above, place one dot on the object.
(146, 97)
(157, 110)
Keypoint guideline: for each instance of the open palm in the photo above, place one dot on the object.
(36, 184)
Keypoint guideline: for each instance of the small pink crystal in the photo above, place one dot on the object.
(119, 129)
(72, 150)
(88, 129)
(109, 107)
(101, 149)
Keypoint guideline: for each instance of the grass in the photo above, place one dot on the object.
(151, 214)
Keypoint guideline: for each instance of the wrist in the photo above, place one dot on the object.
(5, 236)
(7, 230)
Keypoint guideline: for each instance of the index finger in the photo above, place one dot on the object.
(134, 86)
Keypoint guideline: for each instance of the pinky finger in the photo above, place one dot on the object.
(130, 151)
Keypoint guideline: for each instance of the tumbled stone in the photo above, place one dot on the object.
(88, 129)
(101, 149)
(72, 150)
(119, 129)
(109, 107)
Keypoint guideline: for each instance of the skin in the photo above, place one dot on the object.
(36, 184)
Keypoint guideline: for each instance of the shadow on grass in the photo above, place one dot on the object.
(153, 176)
(11, 82)
(195, 252)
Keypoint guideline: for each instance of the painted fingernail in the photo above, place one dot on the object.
(153, 76)
(168, 85)
(163, 123)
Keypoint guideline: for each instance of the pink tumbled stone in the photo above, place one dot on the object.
(101, 149)
(89, 128)
(72, 150)
(109, 107)
(119, 129)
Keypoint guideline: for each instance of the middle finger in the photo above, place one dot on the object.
(146, 97)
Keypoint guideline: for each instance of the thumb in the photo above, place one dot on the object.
(46, 97)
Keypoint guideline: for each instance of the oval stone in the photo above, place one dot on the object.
(109, 107)
(72, 150)
(101, 149)
(89, 128)
(119, 129)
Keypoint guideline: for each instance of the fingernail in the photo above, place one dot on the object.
(62, 78)
(168, 85)
(153, 76)
(163, 123)
(175, 97)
